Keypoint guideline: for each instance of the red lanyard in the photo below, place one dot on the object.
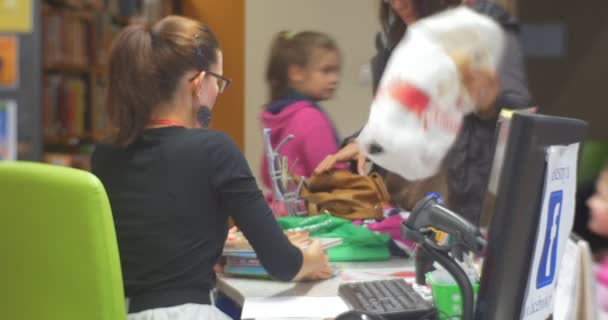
(166, 122)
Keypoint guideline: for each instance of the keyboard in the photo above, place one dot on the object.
(392, 299)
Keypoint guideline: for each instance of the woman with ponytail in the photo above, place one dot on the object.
(172, 185)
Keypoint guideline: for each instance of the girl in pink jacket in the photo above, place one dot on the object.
(303, 69)
(598, 223)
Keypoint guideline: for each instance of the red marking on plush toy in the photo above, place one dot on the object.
(411, 98)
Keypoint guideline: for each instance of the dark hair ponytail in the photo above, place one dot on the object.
(145, 66)
(128, 108)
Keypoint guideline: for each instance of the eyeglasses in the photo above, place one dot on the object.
(222, 82)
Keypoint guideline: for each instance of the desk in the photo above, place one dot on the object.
(238, 289)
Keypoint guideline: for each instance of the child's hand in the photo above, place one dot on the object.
(350, 152)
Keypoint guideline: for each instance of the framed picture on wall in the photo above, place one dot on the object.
(9, 62)
(8, 130)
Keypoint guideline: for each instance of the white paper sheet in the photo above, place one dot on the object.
(566, 290)
(554, 227)
(293, 307)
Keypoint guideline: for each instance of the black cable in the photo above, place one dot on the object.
(466, 289)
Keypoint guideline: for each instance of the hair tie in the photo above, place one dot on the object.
(289, 35)
(198, 45)
(149, 29)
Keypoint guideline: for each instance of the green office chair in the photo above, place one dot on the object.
(58, 252)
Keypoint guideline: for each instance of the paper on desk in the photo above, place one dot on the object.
(408, 274)
(293, 307)
(567, 291)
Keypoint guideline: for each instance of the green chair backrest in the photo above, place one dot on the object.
(58, 252)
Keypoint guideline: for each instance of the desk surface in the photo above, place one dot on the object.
(240, 288)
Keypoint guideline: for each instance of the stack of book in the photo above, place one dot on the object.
(241, 260)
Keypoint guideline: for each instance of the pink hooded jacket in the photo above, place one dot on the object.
(314, 136)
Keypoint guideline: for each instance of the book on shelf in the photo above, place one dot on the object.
(66, 38)
(64, 106)
(77, 37)
(100, 123)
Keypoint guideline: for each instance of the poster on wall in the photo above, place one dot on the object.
(554, 227)
(9, 62)
(16, 16)
(8, 130)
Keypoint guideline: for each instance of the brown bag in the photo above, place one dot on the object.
(345, 195)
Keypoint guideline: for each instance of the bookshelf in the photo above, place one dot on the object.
(76, 39)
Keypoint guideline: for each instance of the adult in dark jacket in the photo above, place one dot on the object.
(463, 177)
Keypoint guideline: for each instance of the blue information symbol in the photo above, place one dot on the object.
(547, 267)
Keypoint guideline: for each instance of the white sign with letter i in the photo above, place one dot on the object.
(554, 227)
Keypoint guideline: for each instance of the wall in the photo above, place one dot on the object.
(352, 23)
(574, 84)
(27, 94)
(227, 19)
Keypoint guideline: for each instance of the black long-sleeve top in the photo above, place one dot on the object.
(171, 193)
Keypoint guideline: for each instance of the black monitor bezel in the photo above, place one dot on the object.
(513, 226)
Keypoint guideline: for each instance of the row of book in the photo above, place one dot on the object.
(121, 8)
(239, 258)
(64, 105)
(67, 39)
(81, 39)
(66, 110)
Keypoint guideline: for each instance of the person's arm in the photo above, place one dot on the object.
(350, 152)
(350, 139)
(379, 60)
(243, 200)
(514, 93)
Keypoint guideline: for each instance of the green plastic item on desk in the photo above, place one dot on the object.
(358, 243)
(447, 298)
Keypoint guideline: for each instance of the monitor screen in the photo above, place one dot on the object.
(513, 205)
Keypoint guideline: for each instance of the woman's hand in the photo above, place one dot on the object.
(315, 263)
(350, 152)
(483, 87)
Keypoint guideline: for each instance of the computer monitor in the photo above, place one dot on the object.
(513, 207)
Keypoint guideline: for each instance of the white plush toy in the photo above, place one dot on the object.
(421, 100)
